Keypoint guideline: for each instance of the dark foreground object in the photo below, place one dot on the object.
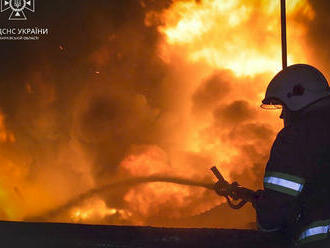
(19, 234)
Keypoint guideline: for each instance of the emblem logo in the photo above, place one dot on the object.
(17, 8)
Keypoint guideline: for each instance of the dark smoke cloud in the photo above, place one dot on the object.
(253, 140)
(96, 37)
(95, 81)
(234, 113)
(237, 123)
(85, 95)
(317, 38)
(212, 91)
(111, 122)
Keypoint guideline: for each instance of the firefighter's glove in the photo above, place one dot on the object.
(222, 189)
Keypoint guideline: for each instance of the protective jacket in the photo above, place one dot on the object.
(296, 195)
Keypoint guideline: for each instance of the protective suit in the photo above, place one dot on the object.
(296, 195)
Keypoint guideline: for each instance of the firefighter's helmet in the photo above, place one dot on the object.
(296, 87)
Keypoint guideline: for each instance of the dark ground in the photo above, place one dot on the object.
(19, 234)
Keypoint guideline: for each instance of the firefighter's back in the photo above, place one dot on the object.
(315, 199)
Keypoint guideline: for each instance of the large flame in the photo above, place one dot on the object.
(237, 35)
(243, 38)
(216, 58)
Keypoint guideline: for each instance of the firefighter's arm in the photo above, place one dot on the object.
(275, 211)
(277, 205)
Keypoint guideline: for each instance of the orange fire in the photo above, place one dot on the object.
(95, 211)
(220, 56)
(5, 135)
(203, 37)
(236, 35)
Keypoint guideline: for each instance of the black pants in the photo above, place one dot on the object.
(317, 244)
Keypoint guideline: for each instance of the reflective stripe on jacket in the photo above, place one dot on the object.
(317, 231)
(297, 180)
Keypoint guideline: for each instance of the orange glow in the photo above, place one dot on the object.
(5, 135)
(94, 210)
(237, 35)
(240, 37)
(153, 160)
(125, 120)
(154, 198)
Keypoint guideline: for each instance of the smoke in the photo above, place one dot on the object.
(234, 113)
(127, 89)
(316, 41)
(85, 114)
(212, 91)
(76, 102)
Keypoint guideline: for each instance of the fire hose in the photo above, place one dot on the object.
(231, 192)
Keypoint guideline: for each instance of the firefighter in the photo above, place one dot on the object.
(296, 195)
